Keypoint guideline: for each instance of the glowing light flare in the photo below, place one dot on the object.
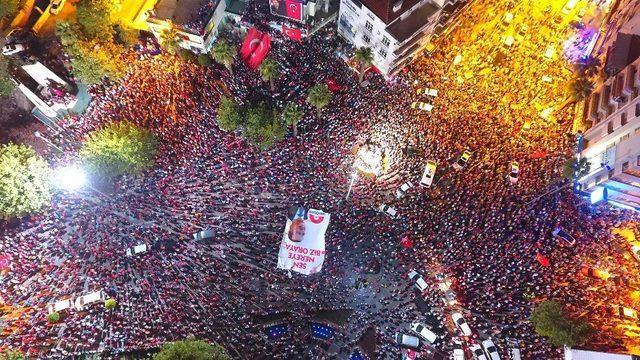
(70, 178)
(369, 160)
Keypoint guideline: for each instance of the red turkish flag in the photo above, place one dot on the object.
(260, 52)
(295, 34)
(294, 9)
(544, 261)
(249, 44)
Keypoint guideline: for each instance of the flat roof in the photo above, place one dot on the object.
(402, 29)
(186, 12)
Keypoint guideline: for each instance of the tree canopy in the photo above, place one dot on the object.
(574, 168)
(12, 355)
(191, 349)
(292, 116)
(224, 53)
(269, 70)
(550, 320)
(229, 115)
(24, 181)
(97, 17)
(259, 123)
(319, 96)
(9, 7)
(6, 85)
(364, 57)
(580, 88)
(119, 148)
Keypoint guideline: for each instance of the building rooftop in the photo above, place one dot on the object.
(624, 51)
(384, 8)
(402, 29)
(191, 14)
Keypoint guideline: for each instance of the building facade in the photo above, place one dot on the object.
(395, 30)
(612, 144)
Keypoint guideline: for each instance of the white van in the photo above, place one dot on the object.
(407, 341)
(429, 173)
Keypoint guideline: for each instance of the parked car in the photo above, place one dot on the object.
(421, 106)
(389, 210)
(428, 174)
(12, 49)
(491, 350)
(625, 312)
(635, 251)
(558, 232)
(56, 6)
(402, 191)
(508, 42)
(461, 324)
(477, 352)
(408, 341)
(458, 350)
(424, 333)
(462, 160)
(514, 172)
(428, 92)
(420, 283)
(506, 20)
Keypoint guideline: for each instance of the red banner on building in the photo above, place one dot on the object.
(294, 34)
(294, 9)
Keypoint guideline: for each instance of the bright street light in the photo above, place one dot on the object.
(70, 178)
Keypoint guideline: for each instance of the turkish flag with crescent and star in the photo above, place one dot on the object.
(294, 9)
(294, 34)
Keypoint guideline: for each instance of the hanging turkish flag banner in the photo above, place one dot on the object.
(294, 34)
(294, 9)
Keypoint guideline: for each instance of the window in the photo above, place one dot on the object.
(637, 130)
(623, 119)
(625, 166)
(382, 53)
(625, 137)
(598, 179)
(638, 161)
(638, 109)
(385, 41)
(609, 126)
(366, 38)
(368, 26)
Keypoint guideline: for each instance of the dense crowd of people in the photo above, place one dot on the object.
(472, 225)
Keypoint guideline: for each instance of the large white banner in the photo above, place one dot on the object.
(302, 249)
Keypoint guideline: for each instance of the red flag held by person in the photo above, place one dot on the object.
(294, 34)
(542, 260)
(406, 242)
(253, 35)
(538, 154)
(4, 262)
(294, 9)
(332, 85)
(260, 52)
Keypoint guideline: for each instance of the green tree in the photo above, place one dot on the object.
(110, 304)
(550, 320)
(224, 53)
(68, 33)
(125, 35)
(24, 181)
(97, 17)
(12, 355)
(574, 168)
(54, 317)
(8, 8)
(170, 39)
(364, 57)
(263, 127)
(292, 115)
(319, 96)
(229, 115)
(588, 67)
(119, 148)
(93, 61)
(191, 349)
(269, 70)
(204, 60)
(6, 84)
(580, 88)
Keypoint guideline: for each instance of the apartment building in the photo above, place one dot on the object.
(396, 30)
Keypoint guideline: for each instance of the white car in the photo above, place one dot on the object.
(428, 92)
(56, 6)
(407, 341)
(424, 333)
(402, 191)
(458, 350)
(12, 49)
(420, 283)
(462, 160)
(515, 171)
(461, 324)
(491, 350)
(421, 106)
(389, 210)
(428, 174)
(477, 352)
